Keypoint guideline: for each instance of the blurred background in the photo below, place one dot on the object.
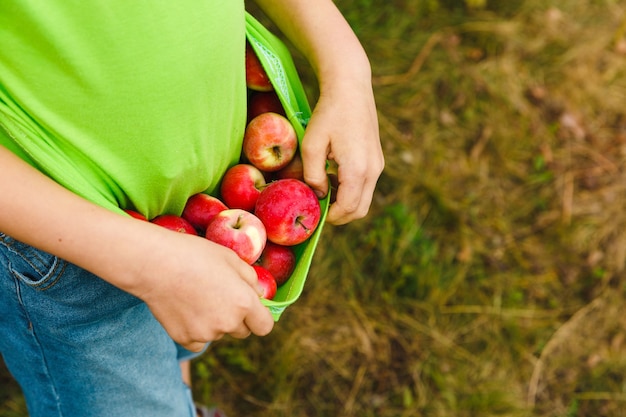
(488, 278)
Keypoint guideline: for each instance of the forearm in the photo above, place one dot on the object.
(36, 210)
(344, 125)
(174, 273)
(323, 36)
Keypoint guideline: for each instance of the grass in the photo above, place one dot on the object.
(488, 278)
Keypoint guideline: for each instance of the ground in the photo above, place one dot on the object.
(488, 278)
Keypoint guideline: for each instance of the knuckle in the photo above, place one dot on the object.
(265, 330)
(361, 213)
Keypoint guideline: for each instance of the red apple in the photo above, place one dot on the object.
(290, 211)
(269, 142)
(256, 76)
(294, 169)
(264, 102)
(279, 260)
(175, 223)
(266, 282)
(200, 210)
(240, 231)
(241, 186)
(135, 214)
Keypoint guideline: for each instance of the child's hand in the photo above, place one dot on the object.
(344, 126)
(344, 129)
(200, 291)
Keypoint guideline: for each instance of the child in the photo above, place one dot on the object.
(110, 104)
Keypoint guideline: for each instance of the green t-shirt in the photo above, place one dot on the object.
(128, 103)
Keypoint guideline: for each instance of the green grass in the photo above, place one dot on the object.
(487, 279)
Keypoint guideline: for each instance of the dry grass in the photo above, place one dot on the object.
(488, 278)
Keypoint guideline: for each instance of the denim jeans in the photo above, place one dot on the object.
(79, 346)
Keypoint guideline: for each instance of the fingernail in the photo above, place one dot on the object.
(320, 194)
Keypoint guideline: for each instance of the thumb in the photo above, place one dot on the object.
(314, 156)
(195, 347)
(260, 321)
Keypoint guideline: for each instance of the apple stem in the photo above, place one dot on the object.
(237, 224)
(299, 221)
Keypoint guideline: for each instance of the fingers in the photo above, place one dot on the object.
(255, 317)
(241, 333)
(260, 321)
(248, 274)
(356, 181)
(355, 157)
(194, 346)
(219, 296)
(351, 202)
(314, 155)
(352, 195)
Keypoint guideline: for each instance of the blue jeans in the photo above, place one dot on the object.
(79, 346)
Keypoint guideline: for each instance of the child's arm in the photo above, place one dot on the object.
(198, 290)
(344, 126)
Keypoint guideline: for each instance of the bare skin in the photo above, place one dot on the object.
(344, 126)
(173, 272)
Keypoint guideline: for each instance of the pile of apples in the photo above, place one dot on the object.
(264, 207)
